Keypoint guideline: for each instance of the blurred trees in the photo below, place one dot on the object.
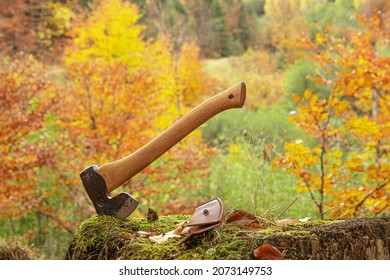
(35, 201)
(26, 98)
(89, 81)
(16, 32)
(282, 23)
(35, 26)
(219, 28)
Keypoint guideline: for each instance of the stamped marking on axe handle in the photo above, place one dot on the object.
(100, 181)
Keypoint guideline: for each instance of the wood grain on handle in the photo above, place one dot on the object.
(118, 172)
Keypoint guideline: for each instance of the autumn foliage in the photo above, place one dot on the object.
(89, 82)
(347, 173)
(26, 99)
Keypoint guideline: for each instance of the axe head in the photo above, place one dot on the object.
(120, 206)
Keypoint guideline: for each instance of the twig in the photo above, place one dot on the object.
(379, 187)
(285, 209)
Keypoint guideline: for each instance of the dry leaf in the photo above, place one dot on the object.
(267, 252)
(286, 222)
(307, 219)
(243, 219)
(186, 230)
(144, 233)
(180, 228)
(267, 151)
(171, 234)
(163, 237)
(292, 221)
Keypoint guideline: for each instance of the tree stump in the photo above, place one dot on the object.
(104, 237)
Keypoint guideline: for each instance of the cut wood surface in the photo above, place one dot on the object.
(104, 237)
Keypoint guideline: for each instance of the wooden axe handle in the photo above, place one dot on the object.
(118, 172)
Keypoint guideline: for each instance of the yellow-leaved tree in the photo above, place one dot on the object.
(348, 173)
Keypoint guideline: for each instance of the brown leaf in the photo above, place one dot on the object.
(239, 215)
(267, 151)
(267, 252)
(243, 219)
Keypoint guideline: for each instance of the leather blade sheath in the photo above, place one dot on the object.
(209, 213)
(206, 217)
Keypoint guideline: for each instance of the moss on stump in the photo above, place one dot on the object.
(104, 237)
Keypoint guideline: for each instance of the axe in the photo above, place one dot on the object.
(100, 181)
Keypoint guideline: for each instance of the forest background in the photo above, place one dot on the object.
(86, 82)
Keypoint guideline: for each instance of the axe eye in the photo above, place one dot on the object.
(231, 96)
(205, 211)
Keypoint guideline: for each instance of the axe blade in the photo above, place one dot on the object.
(126, 205)
(120, 206)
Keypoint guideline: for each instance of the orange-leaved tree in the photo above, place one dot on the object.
(347, 173)
(26, 99)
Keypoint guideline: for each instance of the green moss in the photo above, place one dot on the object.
(313, 224)
(104, 237)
